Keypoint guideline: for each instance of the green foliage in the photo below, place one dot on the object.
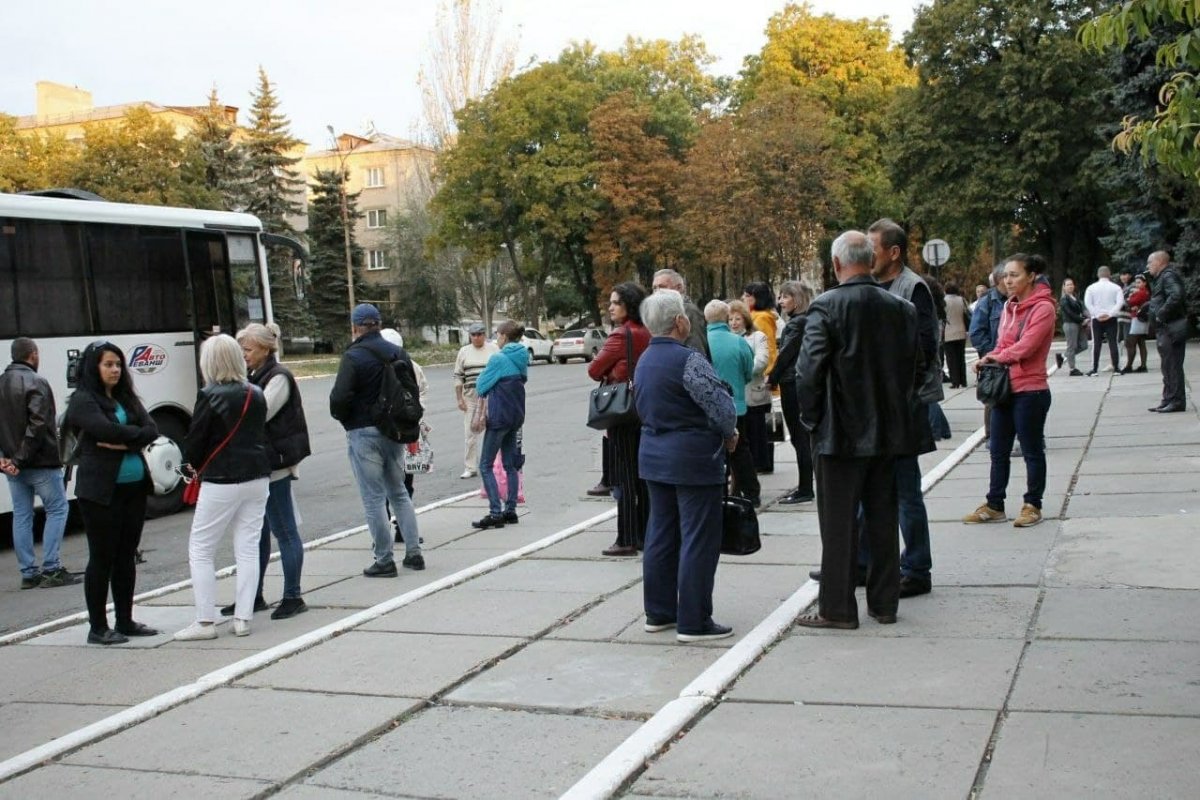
(427, 283)
(30, 162)
(328, 299)
(225, 162)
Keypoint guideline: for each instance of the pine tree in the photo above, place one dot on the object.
(273, 190)
(226, 163)
(328, 298)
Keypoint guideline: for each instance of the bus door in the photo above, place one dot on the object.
(211, 285)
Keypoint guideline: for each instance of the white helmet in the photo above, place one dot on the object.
(162, 457)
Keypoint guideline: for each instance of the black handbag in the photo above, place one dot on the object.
(611, 404)
(739, 530)
(993, 387)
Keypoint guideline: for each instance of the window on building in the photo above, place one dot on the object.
(377, 218)
(374, 177)
(376, 259)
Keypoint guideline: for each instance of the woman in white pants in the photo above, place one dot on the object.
(226, 444)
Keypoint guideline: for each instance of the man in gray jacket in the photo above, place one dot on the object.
(29, 459)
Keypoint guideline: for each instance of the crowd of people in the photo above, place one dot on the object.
(857, 370)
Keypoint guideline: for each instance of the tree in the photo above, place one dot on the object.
(1166, 134)
(273, 192)
(996, 134)
(328, 299)
(428, 281)
(30, 162)
(225, 162)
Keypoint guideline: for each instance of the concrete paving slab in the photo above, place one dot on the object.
(1116, 454)
(510, 537)
(608, 620)
(1125, 552)
(797, 520)
(1109, 677)
(962, 612)
(1125, 483)
(264, 631)
(305, 792)
(167, 619)
(859, 668)
(582, 676)
(952, 509)
(24, 726)
(584, 545)
(1118, 505)
(362, 592)
(272, 588)
(1146, 465)
(532, 575)
(1020, 567)
(497, 754)
(1094, 756)
(954, 535)
(1130, 614)
(382, 663)
(210, 735)
(1155, 434)
(786, 752)
(66, 780)
(799, 551)
(491, 612)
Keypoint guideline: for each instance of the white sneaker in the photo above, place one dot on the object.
(196, 632)
(468, 473)
(241, 627)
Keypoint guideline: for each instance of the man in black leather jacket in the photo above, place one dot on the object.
(856, 379)
(1168, 310)
(29, 459)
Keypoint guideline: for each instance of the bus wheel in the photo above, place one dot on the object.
(162, 505)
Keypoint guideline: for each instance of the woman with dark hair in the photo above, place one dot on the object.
(794, 297)
(954, 336)
(111, 485)
(1073, 313)
(761, 303)
(502, 382)
(1023, 343)
(612, 365)
(1138, 303)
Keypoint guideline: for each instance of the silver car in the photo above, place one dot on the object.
(578, 344)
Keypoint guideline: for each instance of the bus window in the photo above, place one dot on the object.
(51, 292)
(211, 294)
(247, 289)
(8, 281)
(140, 286)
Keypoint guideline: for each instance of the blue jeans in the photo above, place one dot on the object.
(916, 560)
(683, 546)
(1025, 419)
(280, 518)
(47, 484)
(378, 465)
(504, 442)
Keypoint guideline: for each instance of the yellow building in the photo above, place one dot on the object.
(387, 173)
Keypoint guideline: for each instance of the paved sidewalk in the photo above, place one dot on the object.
(1056, 661)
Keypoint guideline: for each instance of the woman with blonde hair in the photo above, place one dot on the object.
(226, 448)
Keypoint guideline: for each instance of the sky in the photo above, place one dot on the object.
(336, 63)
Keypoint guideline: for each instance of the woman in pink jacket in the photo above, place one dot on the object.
(1023, 343)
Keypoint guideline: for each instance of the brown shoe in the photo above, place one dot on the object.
(619, 550)
(1029, 516)
(985, 513)
(600, 490)
(817, 621)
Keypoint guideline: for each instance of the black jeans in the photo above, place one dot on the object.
(761, 446)
(114, 532)
(1172, 339)
(1100, 330)
(633, 503)
(1024, 419)
(741, 464)
(801, 441)
(956, 361)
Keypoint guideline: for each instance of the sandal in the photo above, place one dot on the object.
(817, 621)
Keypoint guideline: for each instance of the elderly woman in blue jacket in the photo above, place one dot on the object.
(502, 382)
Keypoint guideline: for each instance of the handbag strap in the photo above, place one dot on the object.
(629, 359)
(225, 441)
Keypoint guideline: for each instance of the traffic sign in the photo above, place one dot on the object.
(936, 252)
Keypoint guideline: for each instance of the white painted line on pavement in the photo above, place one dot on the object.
(225, 675)
(81, 616)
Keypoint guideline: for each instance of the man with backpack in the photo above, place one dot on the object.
(376, 399)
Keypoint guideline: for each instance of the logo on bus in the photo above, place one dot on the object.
(147, 359)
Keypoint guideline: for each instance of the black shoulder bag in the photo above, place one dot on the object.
(993, 387)
(611, 404)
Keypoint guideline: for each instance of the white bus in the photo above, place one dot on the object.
(151, 280)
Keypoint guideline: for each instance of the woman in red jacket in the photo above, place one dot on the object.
(1138, 303)
(1023, 343)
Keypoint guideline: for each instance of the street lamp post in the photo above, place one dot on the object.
(345, 216)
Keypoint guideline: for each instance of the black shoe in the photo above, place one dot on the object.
(1126, 370)
(1075, 373)
(107, 636)
(882, 619)
(378, 570)
(911, 587)
(1156, 409)
(259, 605)
(860, 577)
(600, 490)
(1142, 368)
(289, 607)
(1174, 408)
(794, 498)
(1058, 359)
(490, 521)
(770, 471)
(31, 583)
(511, 518)
(620, 550)
(136, 629)
(711, 630)
(416, 563)
(59, 577)
(1092, 374)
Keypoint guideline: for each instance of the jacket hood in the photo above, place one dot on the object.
(518, 355)
(1021, 308)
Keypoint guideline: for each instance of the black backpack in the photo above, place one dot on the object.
(397, 411)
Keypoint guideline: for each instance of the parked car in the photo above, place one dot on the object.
(540, 348)
(578, 344)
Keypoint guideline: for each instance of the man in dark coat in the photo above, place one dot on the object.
(1168, 309)
(856, 379)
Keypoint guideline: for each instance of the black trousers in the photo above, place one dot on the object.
(761, 447)
(741, 464)
(801, 441)
(1100, 330)
(1172, 339)
(633, 502)
(956, 361)
(842, 484)
(114, 532)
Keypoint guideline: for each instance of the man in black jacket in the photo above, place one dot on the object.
(377, 461)
(856, 379)
(29, 459)
(1168, 310)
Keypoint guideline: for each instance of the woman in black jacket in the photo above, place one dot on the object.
(111, 484)
(227, 442)
(794, 297)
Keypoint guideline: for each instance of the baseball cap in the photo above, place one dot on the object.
(364, 313)
(476, 327)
